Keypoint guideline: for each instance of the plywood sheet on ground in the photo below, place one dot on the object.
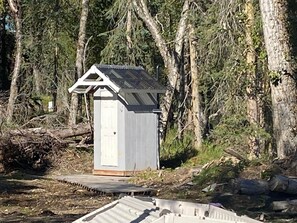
(105, 184)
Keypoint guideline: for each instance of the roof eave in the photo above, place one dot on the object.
(151, 91)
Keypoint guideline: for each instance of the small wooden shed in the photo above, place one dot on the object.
(125, 118)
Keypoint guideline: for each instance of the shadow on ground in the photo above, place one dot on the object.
(29, 198)
(178, 159)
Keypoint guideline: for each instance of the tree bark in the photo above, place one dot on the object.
(37, 79)
(250, 187)
(171, 57)
(129, 31)
(79, 60)
(196, 99)
(63, 133)
(283, 184)
(254, 108)
(283, 84)
(16, 12)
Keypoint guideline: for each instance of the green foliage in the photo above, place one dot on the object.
(44, 99)
(116, 51)
(97, 26)
(224, 80)
(207, 153)
(235, 131)
(175, 152)
(49, 29)
(1, 6)
(275, 77)
(219, 173)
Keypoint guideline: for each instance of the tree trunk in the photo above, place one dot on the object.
(254, 108)
(171, 57)
(16, 11)
(181, 99)
(37, 80)
(283, 76)
(79, 60)
(196, 99)
(55, 79)
(129, 32)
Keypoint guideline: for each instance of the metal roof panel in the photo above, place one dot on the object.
(131, 209)
(125, 210)
(129, 78)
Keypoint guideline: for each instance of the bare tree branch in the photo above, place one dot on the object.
(12, 6)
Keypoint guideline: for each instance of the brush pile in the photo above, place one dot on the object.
(35, 149)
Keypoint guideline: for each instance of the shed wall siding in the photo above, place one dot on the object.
(141, 140)
(97, 134)
(121, 136)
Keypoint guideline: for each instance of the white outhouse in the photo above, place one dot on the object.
(125, 118)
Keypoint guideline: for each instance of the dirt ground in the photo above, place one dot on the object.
(37, 198)
(29, 197)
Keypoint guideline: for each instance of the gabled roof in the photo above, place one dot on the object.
(127, 79)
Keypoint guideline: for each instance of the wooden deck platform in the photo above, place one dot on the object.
(105, 184)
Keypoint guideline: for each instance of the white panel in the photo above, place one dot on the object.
(109, 151)
(103, 92)
(106, 93)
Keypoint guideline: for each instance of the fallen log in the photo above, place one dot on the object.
(250, 187)
(287, 205)
(236, 154)
(284, 184)
(78, 130)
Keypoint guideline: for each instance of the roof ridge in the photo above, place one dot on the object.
(112, 66)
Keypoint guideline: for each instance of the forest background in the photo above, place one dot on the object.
(228, 65)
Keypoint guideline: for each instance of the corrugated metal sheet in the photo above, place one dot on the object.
(127, 209)
(141, 140)
(133, 210)
(129, 77)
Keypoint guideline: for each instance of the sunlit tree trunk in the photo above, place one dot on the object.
(16, 12)
(196, 99)
(254, 105)
(181, 99)
(37, 80)
(79, 60)
(129, 31)
(171, 57)
(283, 76)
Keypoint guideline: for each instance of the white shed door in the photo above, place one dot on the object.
(109, 150)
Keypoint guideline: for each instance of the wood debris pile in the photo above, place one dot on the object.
(35, 149)
(34, 152)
